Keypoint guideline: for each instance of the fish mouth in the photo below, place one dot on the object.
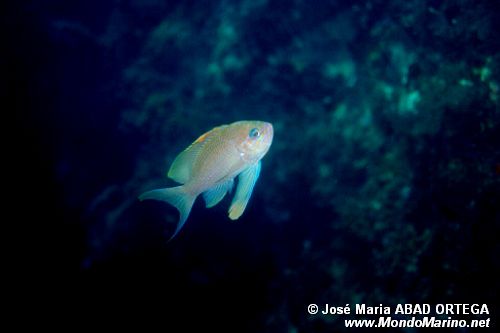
(268, 137)
(269, 130)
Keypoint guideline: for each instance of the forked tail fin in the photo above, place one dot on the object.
(177, 197)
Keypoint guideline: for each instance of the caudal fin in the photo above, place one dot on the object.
(177, 197)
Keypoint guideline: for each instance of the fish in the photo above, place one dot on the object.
(210, 165)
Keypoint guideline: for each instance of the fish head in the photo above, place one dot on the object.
(253, 139)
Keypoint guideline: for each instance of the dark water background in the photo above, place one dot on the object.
(381, 187)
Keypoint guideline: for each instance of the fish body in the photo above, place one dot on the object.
(210, 164)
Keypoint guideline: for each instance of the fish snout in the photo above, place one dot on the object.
(269, 131)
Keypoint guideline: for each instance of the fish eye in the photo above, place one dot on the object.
(254, 133)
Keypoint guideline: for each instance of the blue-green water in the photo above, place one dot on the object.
(382, 185)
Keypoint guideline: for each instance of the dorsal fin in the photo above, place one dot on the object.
(181, 168)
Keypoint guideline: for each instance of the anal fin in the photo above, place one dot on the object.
(215, 194)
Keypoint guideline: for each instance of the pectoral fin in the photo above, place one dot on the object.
(246, 182)
(214, 195)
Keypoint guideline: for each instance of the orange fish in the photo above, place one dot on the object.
(210, 164)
